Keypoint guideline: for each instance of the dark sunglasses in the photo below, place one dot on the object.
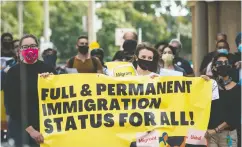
(220, 63)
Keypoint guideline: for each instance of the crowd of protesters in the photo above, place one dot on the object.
(19, 76)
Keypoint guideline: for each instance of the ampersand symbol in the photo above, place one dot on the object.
(85, 90)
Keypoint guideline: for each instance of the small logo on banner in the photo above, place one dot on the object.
(146, 139)
(196, 137)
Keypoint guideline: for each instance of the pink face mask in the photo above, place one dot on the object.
(30, 55)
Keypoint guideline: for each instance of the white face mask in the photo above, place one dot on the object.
(168, 58)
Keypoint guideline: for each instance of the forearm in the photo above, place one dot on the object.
(222, 126)
(30, 129)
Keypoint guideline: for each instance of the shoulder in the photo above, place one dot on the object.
(177, 68)
(45, 67)
(14, 68)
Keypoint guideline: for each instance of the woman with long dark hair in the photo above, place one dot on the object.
(226, 111)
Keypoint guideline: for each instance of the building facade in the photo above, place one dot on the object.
(208, 19)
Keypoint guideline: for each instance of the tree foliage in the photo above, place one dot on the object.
(66, 22)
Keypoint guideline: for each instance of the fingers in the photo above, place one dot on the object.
(153, 76)
(45, 75)
(39, 139)
(206, 78)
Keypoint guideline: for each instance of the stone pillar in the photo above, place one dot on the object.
(200, 48)
(213, 24)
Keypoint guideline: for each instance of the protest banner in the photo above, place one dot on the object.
(92, 110)
(3, 113)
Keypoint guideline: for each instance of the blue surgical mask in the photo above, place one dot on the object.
(240, 48)
(224, 51)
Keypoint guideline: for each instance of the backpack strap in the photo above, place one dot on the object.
(71, 62)
(94, 61)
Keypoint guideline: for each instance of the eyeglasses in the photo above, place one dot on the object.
(24, 47)
(220, 63)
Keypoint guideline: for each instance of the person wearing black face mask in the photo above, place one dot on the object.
(225, 113)
(147, 59)
(7, 45)
(83, 61)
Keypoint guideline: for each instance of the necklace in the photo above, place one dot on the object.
(226, 82)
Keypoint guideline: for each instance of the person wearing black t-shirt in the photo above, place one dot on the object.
(225, 112)
(21, 94)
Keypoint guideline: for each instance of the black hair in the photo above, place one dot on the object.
(223, 41)
(82, 37)
(49, 49)
(6, 34)
(222, 34)
(100, 52)
(170, 47)
(135, 36)
(119, 55)
(28, 36)
(161, 43)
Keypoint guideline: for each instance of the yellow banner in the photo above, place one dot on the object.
(3, 113)
(91, 110)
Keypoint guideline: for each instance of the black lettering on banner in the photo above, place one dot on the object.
(161, 87)
(90, 105)
(72, 93)
(179, 86)
(111, 89)
(70, 123)
(80, 104)
(100, 88)
(150, 89)
(58, 123)
(114, 104)
(183, 119)
(54, 93)
(83, 119)
(133, 103)
(169, 87)
(135, 119)
(164, 119)
(143, 103)
(189, 83)
(69, 107)
(49, 128)
(54, 108)
(96, 123)
(126, 103)
(102, 104)
(109, 120)
(44, 109)
(85, 90)
(139, 90)
(155, 103)
(122, 119)
(44, 94)
(149, 119)
(173, 119)
(64, 95)
(121, 89)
